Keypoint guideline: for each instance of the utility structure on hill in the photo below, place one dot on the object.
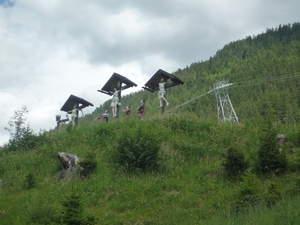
(224, 106)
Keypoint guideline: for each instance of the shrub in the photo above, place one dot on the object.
(234, 162)
(295, 190)
(270, 158)
(248, 193)
(30, 181)
(72, 213)
(138, 147)
(273, 194)
(40, 210)
(21, 137)
(89, 164)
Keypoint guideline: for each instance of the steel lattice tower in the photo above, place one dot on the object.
(224, 106)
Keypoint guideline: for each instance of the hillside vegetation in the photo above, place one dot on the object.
(180, 168)
(264, 70)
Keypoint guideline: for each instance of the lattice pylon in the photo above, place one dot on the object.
(224, 106)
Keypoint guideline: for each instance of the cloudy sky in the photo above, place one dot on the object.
(50, 49)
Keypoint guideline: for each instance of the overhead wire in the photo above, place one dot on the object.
(254, 82)
(187, 102)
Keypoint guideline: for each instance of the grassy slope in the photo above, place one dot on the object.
(189, 188)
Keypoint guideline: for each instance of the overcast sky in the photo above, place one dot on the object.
(50, 49)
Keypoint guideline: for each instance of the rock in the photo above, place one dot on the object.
(2, 212)
(68, 160)
(281, 138)
(70, 166)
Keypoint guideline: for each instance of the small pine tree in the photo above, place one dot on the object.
(234, 162)
(270, 158)
(248, 193)
(72, 213)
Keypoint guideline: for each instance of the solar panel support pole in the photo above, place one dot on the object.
(76, 119)
(77, 114)
(225, 109)
(57, 121)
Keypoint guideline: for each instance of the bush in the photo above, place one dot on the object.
(248, 193)
(295, 190)
(72, 213)
(270, 158)
(273, 194)
(138, 147)
(30, 181)
(89, 164)
(40, 210)
(21, 137)
(234, 162)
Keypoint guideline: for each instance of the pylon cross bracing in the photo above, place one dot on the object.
(224, 106)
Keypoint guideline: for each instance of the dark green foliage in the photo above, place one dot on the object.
(138, 147)
(297, 138)
(40, 211)
(297, 186)
(30, 181)
(270, 157)
(234, 162)
(248, 194)
(73, 211)
(295, 190)
(2, 170)
(89, 164)
(273, 194)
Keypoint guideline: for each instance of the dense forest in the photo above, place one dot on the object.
(182, 167)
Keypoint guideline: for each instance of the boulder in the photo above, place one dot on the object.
(70, 166)
(68, 160)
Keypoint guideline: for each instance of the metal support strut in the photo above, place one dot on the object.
(224, 106)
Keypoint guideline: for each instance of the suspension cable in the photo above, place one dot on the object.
(253, 82)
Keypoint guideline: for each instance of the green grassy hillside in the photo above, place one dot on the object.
(185, 181)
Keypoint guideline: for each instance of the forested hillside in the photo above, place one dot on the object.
(264, 70)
